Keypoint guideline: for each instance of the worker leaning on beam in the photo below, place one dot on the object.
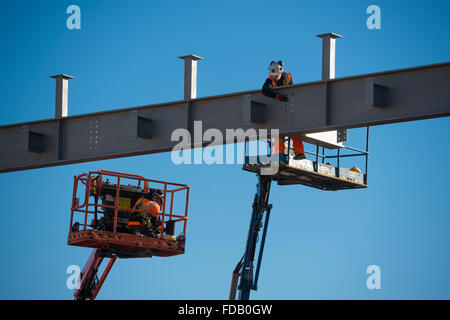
(279, 78)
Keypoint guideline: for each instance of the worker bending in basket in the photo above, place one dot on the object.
(145, 219)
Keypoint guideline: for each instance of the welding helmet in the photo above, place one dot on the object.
(158, 198)
(275, 68)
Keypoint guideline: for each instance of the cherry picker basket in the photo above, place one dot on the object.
(108, 218)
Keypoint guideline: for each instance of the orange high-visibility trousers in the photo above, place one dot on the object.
(279, 146)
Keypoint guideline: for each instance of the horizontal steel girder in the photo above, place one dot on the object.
(357, 101)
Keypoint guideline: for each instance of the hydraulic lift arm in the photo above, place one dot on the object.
(244, 269)
(90, 284)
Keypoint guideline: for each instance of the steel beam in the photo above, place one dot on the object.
(62, 95)
(357, 101)
(327, 139)
(190, 76)
(328, 54)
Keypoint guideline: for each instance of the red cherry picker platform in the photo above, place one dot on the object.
(107, 220)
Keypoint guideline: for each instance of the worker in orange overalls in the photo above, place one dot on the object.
(279, 78)
(148, 212)
(152, 208)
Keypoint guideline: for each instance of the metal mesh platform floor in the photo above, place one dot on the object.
(304, 172)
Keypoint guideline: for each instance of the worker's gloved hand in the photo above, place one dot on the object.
(281, 97)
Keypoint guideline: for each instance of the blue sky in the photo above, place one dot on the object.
(319, 243)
